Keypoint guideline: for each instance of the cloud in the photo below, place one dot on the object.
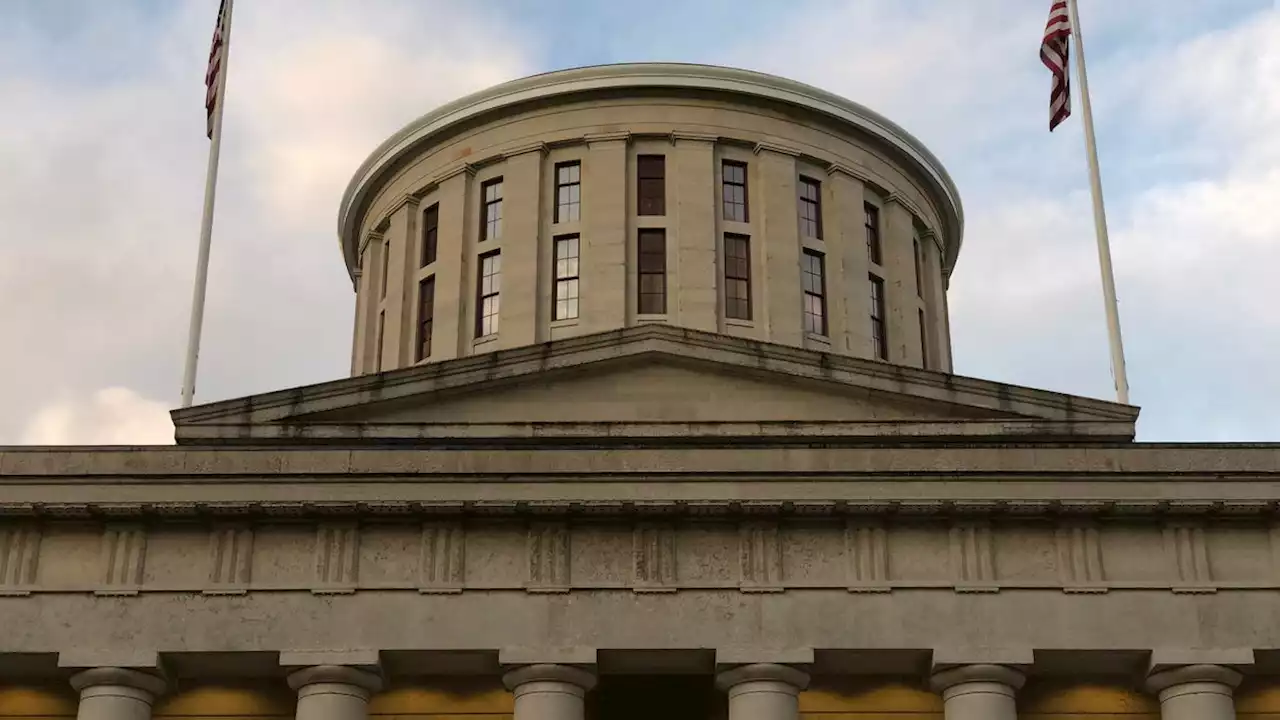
(1191, 165)
(111, 416)
(103, 149)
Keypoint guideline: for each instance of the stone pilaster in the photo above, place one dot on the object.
(549, 691)
(693, 301)
(1195, 692)
(333, 692)
(979, 692)
(782, 302)
(901, 298)
(763, 691)
(521, 188)
(112, 693)
(604, 242)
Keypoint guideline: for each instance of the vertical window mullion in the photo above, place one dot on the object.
(737, 275)
(567, 273)
(651, 185)
(652, 271)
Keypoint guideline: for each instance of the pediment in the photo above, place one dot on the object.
(650, 383)
(658, 389)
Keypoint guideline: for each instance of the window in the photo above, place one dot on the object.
(651, 185)
(879, 340)
(426, 316)
(734, 190)
(872, 222)
(382, 326)
(924, 343)
(815, 292)
(491, 210)
(386, 266)
(430, 230)
(488, 285)
(568, 192)
(737, 277)
(810, 208)
(915, 248)
(566, 307)
(653, 272)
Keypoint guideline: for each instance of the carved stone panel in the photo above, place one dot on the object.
(337, 558)
(1080, 559)
(548, 556)
(760, 554)
(442, 558)
(19, 559)
(868, 551)
(972, 559)
(654, 557)
(124, 552)
(230, 559)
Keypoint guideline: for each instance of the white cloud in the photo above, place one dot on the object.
(1194, 176)
(111, 416)
(103, 149)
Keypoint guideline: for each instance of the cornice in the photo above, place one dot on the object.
(762, 147)
(407, 199)
(538, 147)
(607, 137)
(973, 510)
(688, 136)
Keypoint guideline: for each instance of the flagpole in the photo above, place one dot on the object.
(206, 224)
(1100, 219)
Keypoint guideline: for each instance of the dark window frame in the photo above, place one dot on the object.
(426, 317)
(574, 189)
(567, 274)
(813, 204)
(651, 185)
(382, 329)
(651, 263)
(917, 250)
(386, 267)
(737, 273)
(817, 292)
(879, 330)
(730, 188)
(871, 224)
(481, 295)
(924, 339)
(430, 234)
(486, 204)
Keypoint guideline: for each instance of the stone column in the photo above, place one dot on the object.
(1195, 692)
(333, 692)
(110, 693)
(763, 691)
(979, 692)
(549, 692)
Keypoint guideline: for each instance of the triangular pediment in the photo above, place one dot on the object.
(653, 382)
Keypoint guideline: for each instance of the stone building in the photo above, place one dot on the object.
(651, 415)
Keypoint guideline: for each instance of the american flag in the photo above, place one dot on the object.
(211, 75)
(1054, 50)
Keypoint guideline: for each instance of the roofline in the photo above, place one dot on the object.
(646, 75)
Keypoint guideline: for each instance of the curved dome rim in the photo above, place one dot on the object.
(675, 76)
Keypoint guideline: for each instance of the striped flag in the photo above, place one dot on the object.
(1054, 51)
(212, 73)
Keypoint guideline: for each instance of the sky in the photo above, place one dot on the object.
(103, 156)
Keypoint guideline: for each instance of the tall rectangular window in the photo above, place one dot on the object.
(652, 267)
(382, 326)
(879, 340)
(651, 184)
(426, 316)
(386, 266)
(430, 233)
(924, 341)
(491, 209)
(734, 190)
(737, 277)
(568, 191)
(815, 292)
(919, 259)
(566, 307)
(871, 213)
(810, 208)
(488, 287)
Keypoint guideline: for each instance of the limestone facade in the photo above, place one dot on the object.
(635, 517)
(519, 216)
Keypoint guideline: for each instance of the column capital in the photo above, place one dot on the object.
(549, 672)
(1163, 681)
(944, 681)
(337, 674)
(795, 679)
(119, 677)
